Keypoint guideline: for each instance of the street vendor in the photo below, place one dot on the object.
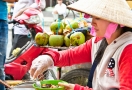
(110, 51)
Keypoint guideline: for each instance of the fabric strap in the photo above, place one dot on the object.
(97, 59)
(90, 77)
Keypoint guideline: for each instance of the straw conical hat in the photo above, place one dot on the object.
(117, 11)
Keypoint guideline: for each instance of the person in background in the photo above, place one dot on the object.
(59, 10)
(109, 51)
(21, 34)
(3, 36)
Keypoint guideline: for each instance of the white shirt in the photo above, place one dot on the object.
(21, 29)
(61, 9)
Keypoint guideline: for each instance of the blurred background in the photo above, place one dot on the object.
(49, 6)
(48, 18)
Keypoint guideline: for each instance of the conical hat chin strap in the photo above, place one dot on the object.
(109, 31)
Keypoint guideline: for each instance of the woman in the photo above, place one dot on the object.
(110, 50)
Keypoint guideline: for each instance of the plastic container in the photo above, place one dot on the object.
(53, 82)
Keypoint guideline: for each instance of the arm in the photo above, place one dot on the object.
(80, 54)
(55, 10)
(34, 5)
(42, 4)
(38, 5)
(20, 12)
(10, 1)
(125, 69)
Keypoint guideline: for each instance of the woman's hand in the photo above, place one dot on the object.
(67, 86)
(39, 65)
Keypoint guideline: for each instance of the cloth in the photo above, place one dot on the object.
(3, 10)
(21, 29)
(114, 69)
(61, 9)
(3, 46)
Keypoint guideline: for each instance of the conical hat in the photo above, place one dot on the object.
(129, 3)
(117, 11)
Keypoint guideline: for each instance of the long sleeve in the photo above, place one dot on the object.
(35, 4)
(79, 87)
(42, 4)
(125, 69)
(80, 54)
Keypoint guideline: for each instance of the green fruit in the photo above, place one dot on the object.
(56, 40)
(41, 39)
(67, 40)
(46, 38)
(16, 51)
(77, 38)
(68, 27)
(67, 21)
(57, 28)
(74, 24)
(64, 24)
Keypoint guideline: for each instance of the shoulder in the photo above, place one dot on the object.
(126, 54)
(127, 49)
(64, 4)
(56, 5)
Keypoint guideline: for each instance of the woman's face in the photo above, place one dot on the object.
(100, 26)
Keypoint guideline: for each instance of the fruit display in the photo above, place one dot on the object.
(65, 33)
(77, 39)
(57, 28)
(41, 39)
(74, 24)
(56, 40)
(67, 40)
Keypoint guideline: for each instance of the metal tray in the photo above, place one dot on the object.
(24, 86)
(58, 47)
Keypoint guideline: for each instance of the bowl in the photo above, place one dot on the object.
(51, 82)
